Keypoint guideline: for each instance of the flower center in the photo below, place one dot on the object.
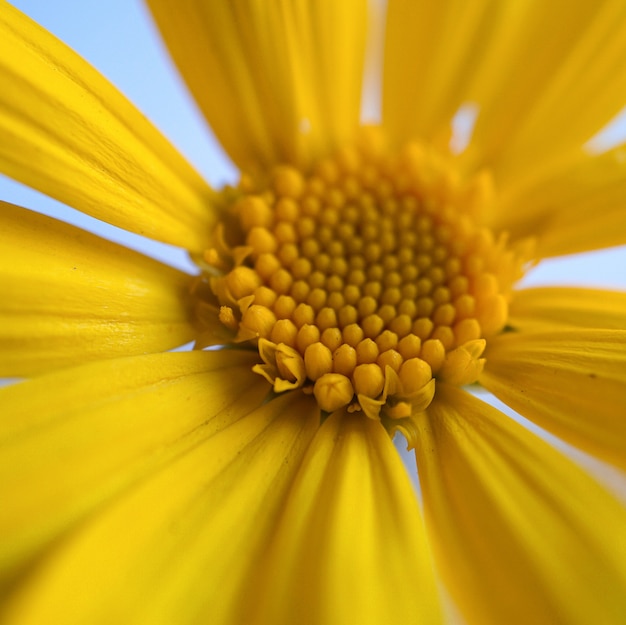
(365, 280)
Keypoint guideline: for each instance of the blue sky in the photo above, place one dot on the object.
(117, 37)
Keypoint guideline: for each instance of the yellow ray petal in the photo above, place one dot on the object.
(574, 206)
(181, 547)
(71, 441)
(68, 296)
(564, 307)
(522, 534)
(570, 382)
(544, 76)
(550, 76)
(350, 547)
(431, 50)
(277, 81)
(67, 132)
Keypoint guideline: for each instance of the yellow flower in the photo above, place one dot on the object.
(361, 279)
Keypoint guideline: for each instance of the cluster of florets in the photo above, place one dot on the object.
(365, 280)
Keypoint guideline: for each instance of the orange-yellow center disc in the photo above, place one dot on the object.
(365, 279)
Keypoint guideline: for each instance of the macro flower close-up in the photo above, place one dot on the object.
(223, 444)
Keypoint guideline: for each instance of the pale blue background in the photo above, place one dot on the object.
(118, 38)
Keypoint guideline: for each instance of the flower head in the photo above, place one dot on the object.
(355, 284)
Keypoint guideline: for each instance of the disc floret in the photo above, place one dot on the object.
(365, 280)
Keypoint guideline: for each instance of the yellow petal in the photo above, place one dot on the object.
(521, 534)
(350, 546)
(545, 77)
(67, 132)
(277, 81)
(431, 50)
(564, 307)
(69, 296)
(570, 382)
(575, 206)
(182, 547)
(72, 440)
(550, 76)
